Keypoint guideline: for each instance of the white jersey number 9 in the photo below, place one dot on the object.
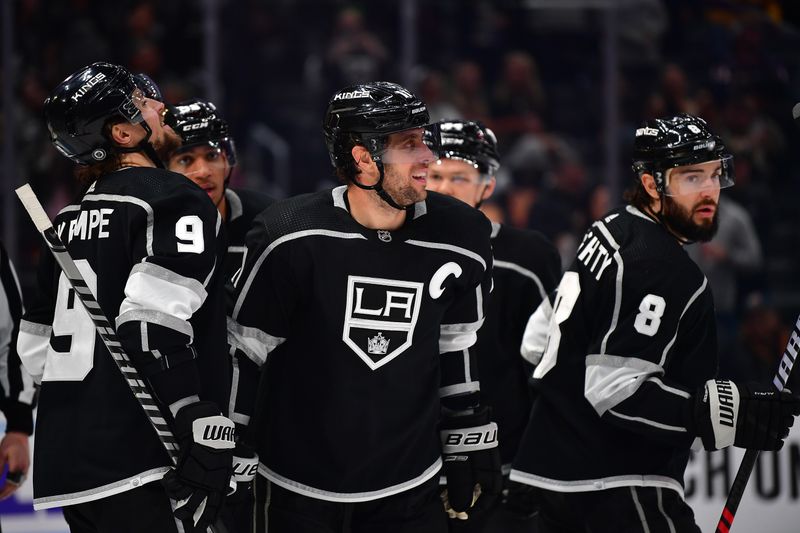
(650, 312)
(189, 231)
(73, 330)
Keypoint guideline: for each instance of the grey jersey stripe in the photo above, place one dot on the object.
(639, 510)
(618, 291)
(275, 244)
(688, 304)
(448, 247)
(525, 272)
(130, 200)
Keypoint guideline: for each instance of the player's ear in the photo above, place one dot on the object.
(649, 184)
(361, 155)
(121, 134)
(489, 189)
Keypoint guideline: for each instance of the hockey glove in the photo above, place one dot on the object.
(245, 468)
(749, 416)
(201, 478)
(471, 464)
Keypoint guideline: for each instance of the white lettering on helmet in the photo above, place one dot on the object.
(94, 80)
(709, 145)
(646, 131)
(350, 95)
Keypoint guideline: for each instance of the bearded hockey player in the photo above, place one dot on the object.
(147, 242)
(627, 360)
(207, 156)
(526, 269)
(360, 306)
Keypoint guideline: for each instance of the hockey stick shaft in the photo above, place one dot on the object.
(101, 323)
(751, 456)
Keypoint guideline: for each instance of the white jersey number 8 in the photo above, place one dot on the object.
(72, 329)
(568, 291)
(651, 309)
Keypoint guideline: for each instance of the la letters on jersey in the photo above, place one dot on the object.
(380, 317)
(88, 224)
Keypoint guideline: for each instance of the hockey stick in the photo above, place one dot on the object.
(101, 324)
(751, 456)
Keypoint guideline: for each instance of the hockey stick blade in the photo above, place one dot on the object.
(751, 456)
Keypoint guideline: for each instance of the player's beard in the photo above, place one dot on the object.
(679, 219)
(170, 142)
(400, 189)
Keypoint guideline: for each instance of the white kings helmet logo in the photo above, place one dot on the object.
(83, 89)
(351, 95)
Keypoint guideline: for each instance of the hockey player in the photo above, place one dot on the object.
(16, 385)
(207, 157)
(147, 243)
(361, 304)
(526, 269)
(626, 363)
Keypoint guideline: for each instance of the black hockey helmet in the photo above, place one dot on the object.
(198, 123)
(663, 144)
(366, 114)
(469, 141)
(148, 86)
(79, 108)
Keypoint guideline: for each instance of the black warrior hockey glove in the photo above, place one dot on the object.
(749, 416)
(200, 480)
(471, 464)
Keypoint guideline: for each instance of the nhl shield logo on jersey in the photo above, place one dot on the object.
(380, 317)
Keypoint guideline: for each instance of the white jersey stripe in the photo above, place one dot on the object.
(286, 238)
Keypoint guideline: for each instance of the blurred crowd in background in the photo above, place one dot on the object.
(530, 69)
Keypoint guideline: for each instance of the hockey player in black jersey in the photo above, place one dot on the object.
(360, 305)
(627, 360)
(207, 157)
(147, 243)
(16, 385)
(526, 269)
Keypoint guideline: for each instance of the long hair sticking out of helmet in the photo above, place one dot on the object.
(472, 142)
(81, 108)
(366, 115)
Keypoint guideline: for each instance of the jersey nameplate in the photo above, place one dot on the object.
(89, 224)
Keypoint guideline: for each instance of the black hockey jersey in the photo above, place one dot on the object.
(243, 206)
(16, 385)
(632, 336)
(148, 244)
(526, 269)
(365, 334)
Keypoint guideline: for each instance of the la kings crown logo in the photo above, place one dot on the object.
(380, 317)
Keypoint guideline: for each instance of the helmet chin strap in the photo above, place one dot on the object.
(378, 188)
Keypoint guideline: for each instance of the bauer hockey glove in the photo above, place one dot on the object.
(200, 480)
(749, 415)
(471, 463)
